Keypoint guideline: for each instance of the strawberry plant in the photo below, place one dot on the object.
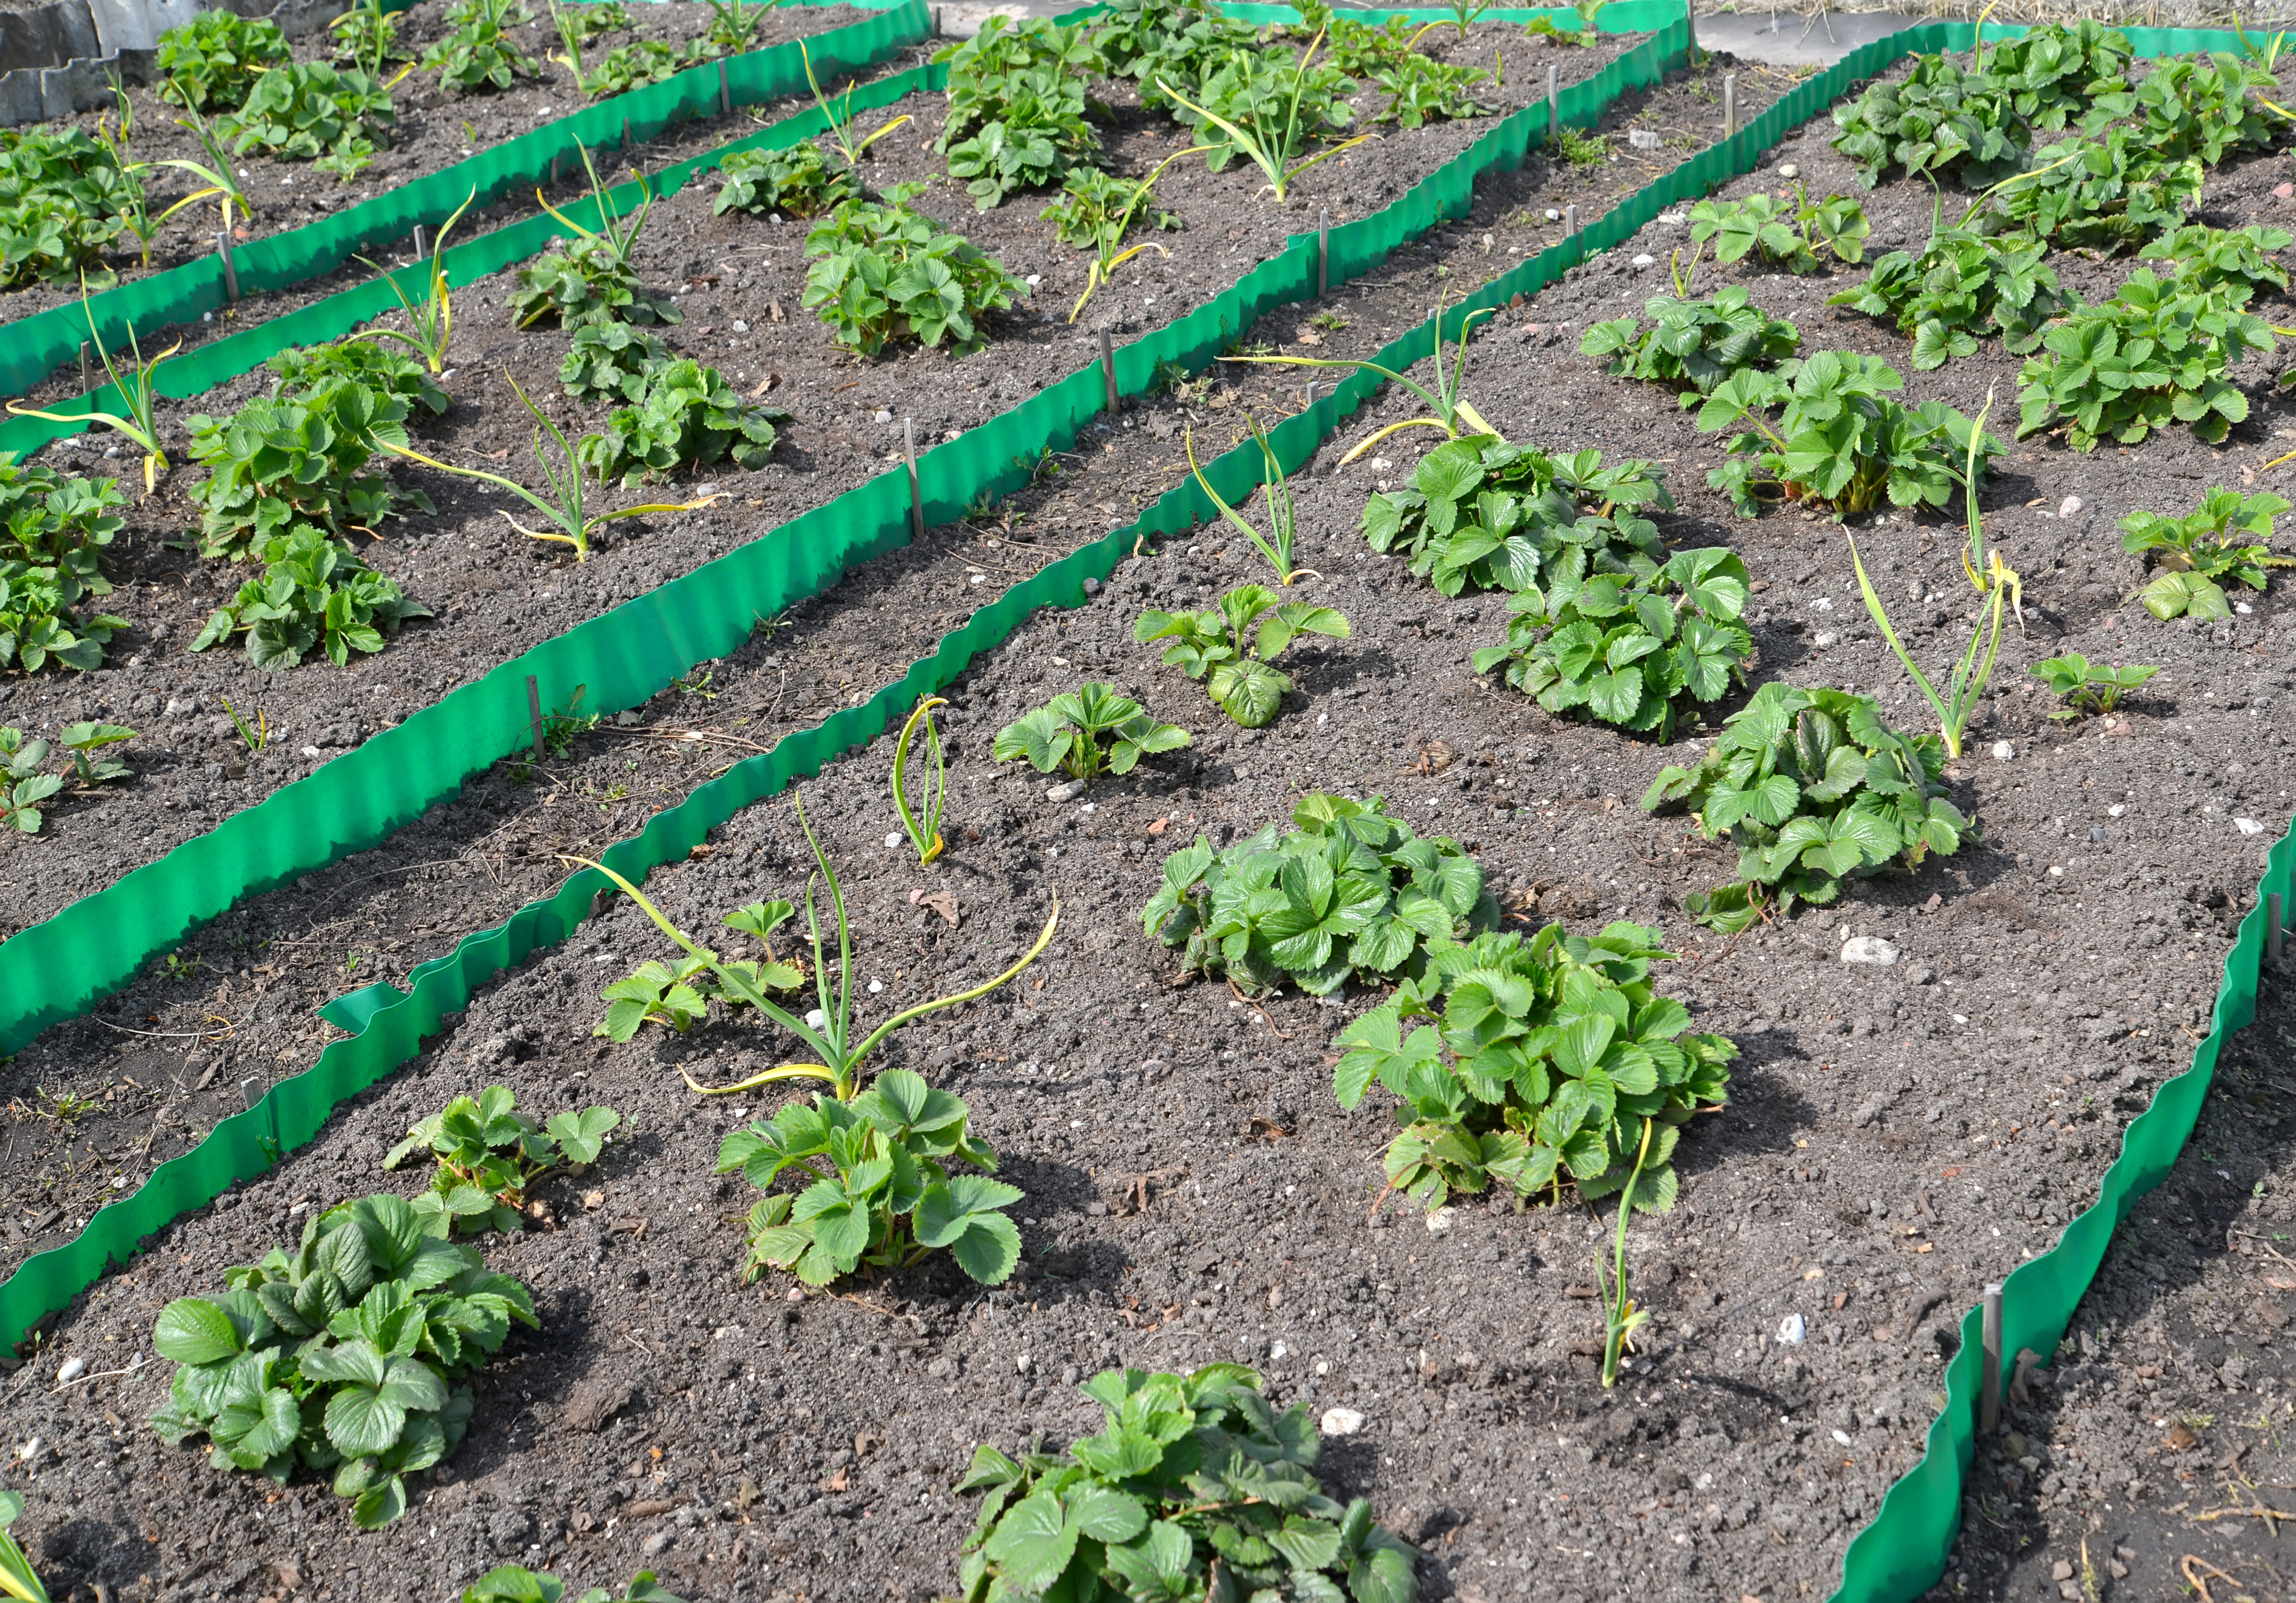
(1511, 517)
(1694, 344)
(1232, 647)
(300, 458)
(686, 415)
(1961, 288)
(796, 183)
(38, 624)
(1815, 790)
(2154, 353)
(480, 56)
(65, 198)
(882, 1192)
(1027, 129)
(1143, 39)
(1269, 106)
(1790, 234)
(1350, 892)
(515, 1583)
(1941, 120)
(209, 63)
(884, 273)
(82, 741)
(366, 36)
(2221, 540)
(2107, 192)
(48, 521)
(2200, 109)
(679, 997)
(1096, 210)
(2233, 263)
(1541, 1059)
(1421, 90)
(305, 369)
(350, 1355)
(1195, 1488)
(1084, 731)
(2089, 687)
(314, 595)
(611, 361)
(490, 1155)
(1839, 438)
(24, 783)
(2060, 72)
(637, 64)
(312, 111)
(1630, 650)
(586, 281)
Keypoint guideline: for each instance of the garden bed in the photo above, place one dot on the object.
(497, 595)
(434, 128)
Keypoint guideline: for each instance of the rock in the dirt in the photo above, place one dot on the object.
(1341, 1422)
(71, 1369)
(1440, 1220)
(1787, 170)
(1645, 261)
(1868, 949)
(2069, 506)
(2247, 826)
(2003, 750)
(1643, 139)
(1064, 793)
(1791, 1329)
(592, 1402)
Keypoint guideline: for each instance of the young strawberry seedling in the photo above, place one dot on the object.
(595, 279)
(1349, 892)
(304, 370)
(350, 1355)
(313, 595)
(332, 117)
(611, 362)
(53, 531)
(679, 996)
(1195, 1487)
(1792, 235)
(24, 785)
(1097, 209)
(2222, 539)
(480, 54)
(1086, 731)
(490, 1155)
(1232, 646)
(796, 183)
(885, 272)
(686, 415)
(211, 62)
(1693, 344)
(2089, 687)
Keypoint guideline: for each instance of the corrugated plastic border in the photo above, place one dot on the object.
(37, 345)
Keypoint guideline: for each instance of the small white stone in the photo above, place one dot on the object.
(1644, 139)
(2056, 871)
(2069, 506)
(2003, 750)
(894, 838)
(1790, 1331)
(1868, 949)
(1278, 1351)
(2242, 608)
(740, 327)
(1553, 216)
(1440, 1220)
(1829, 638)
(1034, 279)
(1787, 170)
(311, 751)
(1021, 1364)
(876, 986)
(1341, 1422)
(30, 1449)
(1674, 219)
(1644, 262)
(2115, 811)
(884, 416)
(1068, 791)
(71, 1369)
(980, 578)
(2247, 826)
(1842, 1436)
(815, 1019)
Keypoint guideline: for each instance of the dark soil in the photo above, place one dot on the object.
(435, 129)
(1896, 1136)
(740, 280)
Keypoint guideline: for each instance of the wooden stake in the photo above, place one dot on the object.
(725, 90)
(534, 712)
(1569, 220)
(916, 494)
(1108, 369)
(1729, 104)
(1989, 1396)
(230, 273)
(1323, 254)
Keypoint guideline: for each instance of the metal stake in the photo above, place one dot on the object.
(84, 381)
(2272, 928)
(1323, 254)
(1989, 1396)
(917, 495)
(251, 1097)
(1108, 369)
(1569, 220)
(725, 90)
(936, 21)
(1729, 104)
(419, 252)
(534, 712)
(1310, 407)
(230, 273)
(626, 136)
(1554, 107)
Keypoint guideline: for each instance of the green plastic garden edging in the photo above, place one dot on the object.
(1899, 1555)
(44, 341)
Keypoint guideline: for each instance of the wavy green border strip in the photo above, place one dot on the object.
(54, 969)
(37, 345)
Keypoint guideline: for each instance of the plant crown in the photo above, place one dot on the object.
(1232, 644)
(1790, 233)
(312, 111)
(305, 369)
(490, 1155)
(799, 181)
(298, 457)
(2221, 540)
(1085, 730)
(1961, 288)
(611, 362)
(686, 415)
(480, 56)
(1694, 344)
(314, 595)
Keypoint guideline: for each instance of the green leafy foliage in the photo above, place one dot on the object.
(210, 63)
(1085, 730)
(1421, 90)
(1349, 892)
(65, 198)
(2199, 109)
(312, 111)
(53, 531)
(1790, 233)
(1815, 790)
(686, 415)
(1171, 39)
(1635, 651)
(489, 1156)
(1232, 647)
(583, 281)
(296, 458)
(1961, 288)
(2108, 192)
(679, 996)
(1096, 210)
(888, 1197)
(2154, 353)
(2220, 541)
(1940, 120)
(82, 741)
(1020, 130)
(304, 369)
(1509, 517)
(2060, 72)
(1284, 102)
(1694, 344)
(480, 54)
(350, 1355)
(798, 182)
(2233, 263)
(1195, 1488)
(885, 272)
(610, 361)
(2089, 687)
(1839, 438)
(314, 595)
(1541, 1059)
(515, 1583)
(643, 62)
(366, 36)
(24, 783)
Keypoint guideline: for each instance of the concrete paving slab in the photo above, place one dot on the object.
(1782, 39)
